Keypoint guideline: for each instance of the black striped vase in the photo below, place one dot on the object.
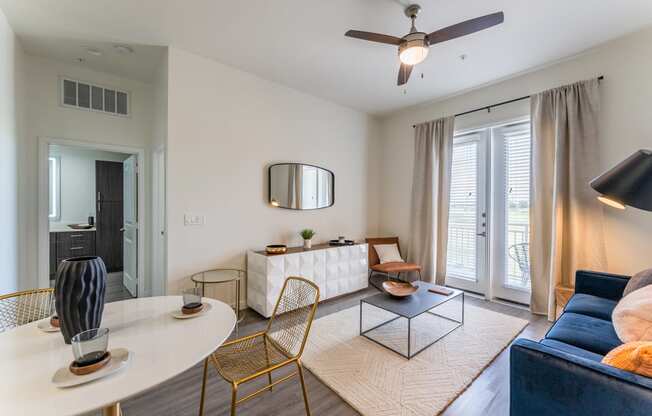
(79, 294)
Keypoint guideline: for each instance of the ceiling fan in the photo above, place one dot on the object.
(413, 47)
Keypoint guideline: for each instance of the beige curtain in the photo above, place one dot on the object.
(566, 218)
(433, 153)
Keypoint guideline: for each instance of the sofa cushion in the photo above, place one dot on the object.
(586, 332)
(635, 357)
(632, 317)
(572, 349)
(395, 267)
(591, 305)
(638, 281)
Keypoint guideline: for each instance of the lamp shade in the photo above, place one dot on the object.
(629, 182)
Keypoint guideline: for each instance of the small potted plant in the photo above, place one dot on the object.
(307, 235)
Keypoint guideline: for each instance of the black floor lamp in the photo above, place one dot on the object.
(628, 183)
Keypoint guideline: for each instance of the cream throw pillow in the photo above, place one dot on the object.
(632, 317)
(388, 253)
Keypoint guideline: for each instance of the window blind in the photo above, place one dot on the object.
(517, 148)
(462, 222)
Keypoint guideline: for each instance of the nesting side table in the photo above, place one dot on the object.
(223, 276)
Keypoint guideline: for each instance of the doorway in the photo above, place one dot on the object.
(89, 204)
(488, 233)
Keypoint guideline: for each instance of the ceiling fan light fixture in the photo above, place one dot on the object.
(414, 49)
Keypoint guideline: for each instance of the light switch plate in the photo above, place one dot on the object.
(192, 219)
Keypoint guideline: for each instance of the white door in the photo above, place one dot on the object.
(467, 225)
(130, 227)
(511, 146)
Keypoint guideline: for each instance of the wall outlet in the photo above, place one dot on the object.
(191, 219)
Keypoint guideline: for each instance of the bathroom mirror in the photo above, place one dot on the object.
(300, 186)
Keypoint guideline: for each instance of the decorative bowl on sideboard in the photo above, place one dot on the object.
(276, 249)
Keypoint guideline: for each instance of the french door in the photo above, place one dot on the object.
(467, 224)
(488, 231)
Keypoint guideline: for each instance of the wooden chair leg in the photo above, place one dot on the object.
(303, 387)
(234, 398)
(420, 278)
(203, 388)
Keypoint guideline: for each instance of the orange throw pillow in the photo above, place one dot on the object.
(635, 357)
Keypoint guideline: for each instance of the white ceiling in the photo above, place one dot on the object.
(301, 43)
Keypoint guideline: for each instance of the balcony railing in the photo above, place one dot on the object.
(462, 252)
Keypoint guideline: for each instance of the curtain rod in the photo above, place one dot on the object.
(489, 107)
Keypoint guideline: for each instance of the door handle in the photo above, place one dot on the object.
(122, 230)
(482, 234)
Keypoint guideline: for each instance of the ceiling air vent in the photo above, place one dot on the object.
(86, 96)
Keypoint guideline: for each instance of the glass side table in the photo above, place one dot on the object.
(223, 276)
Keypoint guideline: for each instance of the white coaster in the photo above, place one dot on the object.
(45, 326)
(120, 358)
(180, 315)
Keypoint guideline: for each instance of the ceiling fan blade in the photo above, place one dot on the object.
(373, 37)
(466, 28)
(404, 74)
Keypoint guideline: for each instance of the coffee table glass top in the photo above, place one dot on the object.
(414, 305)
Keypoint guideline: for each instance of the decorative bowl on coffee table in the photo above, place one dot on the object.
(399, 289)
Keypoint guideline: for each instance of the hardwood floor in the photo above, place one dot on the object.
(488, 395)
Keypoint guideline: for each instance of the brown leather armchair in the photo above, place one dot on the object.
(385, 271)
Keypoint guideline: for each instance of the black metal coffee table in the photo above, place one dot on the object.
(410, 307)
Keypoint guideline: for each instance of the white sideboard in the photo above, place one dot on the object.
(336, 270)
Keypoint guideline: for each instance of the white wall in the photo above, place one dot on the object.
(225, 127)
(11, 130)
(158, 236)
(625, 127)
(77, 192)
(49, 119)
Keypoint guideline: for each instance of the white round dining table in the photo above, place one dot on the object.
(161, 347)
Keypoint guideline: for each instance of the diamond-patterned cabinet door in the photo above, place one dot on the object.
(332, 271)
(344, 281)
(275, 279)
(257, 282)
(306, 266)
(319, 271)
(363, 262)
(292, 264)
(345, 253)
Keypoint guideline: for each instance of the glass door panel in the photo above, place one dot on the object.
(511, 212)
(467, 215)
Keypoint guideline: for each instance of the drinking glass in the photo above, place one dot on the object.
(89, 347)
(192, 298)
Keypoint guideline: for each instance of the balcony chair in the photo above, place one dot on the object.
(520, 254)
(378, 273)
(281, 344)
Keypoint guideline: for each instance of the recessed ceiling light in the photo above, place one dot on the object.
(124, 49)
(94, 51)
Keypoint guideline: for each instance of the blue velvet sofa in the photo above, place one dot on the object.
(562, 374)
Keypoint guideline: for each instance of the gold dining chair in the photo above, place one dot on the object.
(21, 308)
(281, 344)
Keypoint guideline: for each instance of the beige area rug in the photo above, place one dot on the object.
(379, 382)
